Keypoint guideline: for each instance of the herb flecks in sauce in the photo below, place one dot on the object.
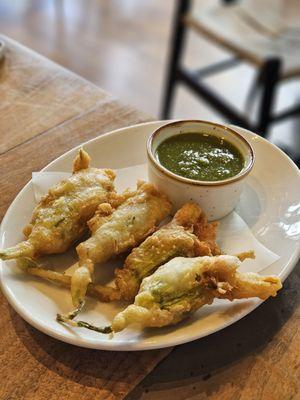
(200, 156)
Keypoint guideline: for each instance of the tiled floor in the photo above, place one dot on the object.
(122, 46)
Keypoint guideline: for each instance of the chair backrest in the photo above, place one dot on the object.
(277, 15)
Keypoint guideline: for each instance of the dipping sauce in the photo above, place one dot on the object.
(200, 156)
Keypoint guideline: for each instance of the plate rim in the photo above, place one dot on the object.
(138, 345)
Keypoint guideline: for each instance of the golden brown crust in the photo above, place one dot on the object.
(81, 161)
(172, 240)
(119, 230)
(246, 254)
(183, 285)
(27, 230)
(104, 211)
(60, 218)
(188, 215)
(115, 231)
(207, 232)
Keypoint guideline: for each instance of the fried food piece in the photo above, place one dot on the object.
(246, 254)
(115, 231)
(207, 232)
(172, 240)
(60, 218)
(183, 285)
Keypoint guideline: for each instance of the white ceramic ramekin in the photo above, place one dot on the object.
(216, 198)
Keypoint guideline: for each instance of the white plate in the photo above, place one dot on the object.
(270, 205)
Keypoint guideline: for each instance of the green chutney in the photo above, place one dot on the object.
(200, 156)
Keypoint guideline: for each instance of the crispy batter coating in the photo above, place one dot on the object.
(207, 232)
(183, 285)
(60, 218)
(115, 231)
(172, 240)
(120, 230)
(81, 161)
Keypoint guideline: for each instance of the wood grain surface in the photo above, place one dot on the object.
(257, 358)
(46, 111)
(36, 95)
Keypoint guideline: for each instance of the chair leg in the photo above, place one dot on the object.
(177, 45)
(270, 76)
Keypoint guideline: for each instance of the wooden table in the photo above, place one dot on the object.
(46, 110)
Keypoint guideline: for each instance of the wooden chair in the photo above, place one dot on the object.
(253, 34)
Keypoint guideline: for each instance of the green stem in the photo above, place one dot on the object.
(105, 329)
(71, 315)
(23, 249)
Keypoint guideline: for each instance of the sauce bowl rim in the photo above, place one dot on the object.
(242, 174)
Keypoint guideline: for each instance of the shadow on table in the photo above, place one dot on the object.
(103, 370)
(199, 360)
